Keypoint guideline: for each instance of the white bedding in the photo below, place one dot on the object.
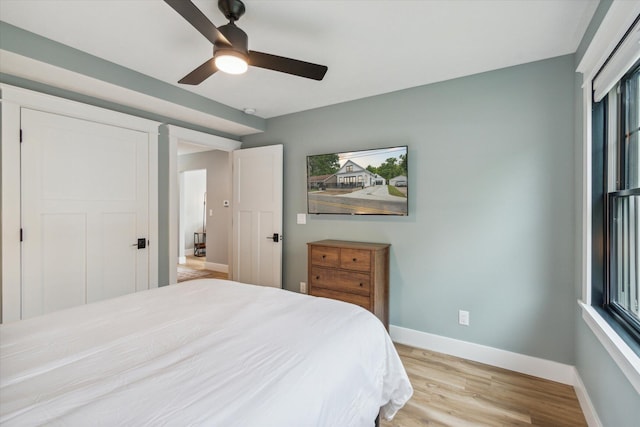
(205, 352)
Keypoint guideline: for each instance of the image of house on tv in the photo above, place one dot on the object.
(340, 183)
(350, 175)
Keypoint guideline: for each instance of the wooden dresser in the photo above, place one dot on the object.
(355, 272)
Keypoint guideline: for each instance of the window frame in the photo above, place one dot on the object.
(613, 307)
(617, 190)
(611, 31)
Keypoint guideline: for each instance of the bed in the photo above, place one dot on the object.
(204, 352)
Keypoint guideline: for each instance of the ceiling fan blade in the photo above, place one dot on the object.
(200, 22)
(200, 74)
(287, 65)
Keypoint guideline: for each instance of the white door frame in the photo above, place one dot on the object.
(176, 134)
(13, 99)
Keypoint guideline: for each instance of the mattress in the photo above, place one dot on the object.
(204, 352)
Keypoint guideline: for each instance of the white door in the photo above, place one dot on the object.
(84, 207)
(257, 216)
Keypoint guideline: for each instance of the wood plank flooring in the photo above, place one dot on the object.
(449, 391)
(196, 264)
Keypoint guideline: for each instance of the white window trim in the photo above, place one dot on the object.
(619, 17)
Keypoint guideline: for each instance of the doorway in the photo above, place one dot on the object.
(193, 216)
(192, 241)
(204, 186)
(221, 202)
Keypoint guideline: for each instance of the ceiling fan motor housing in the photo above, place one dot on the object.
(231, 9)
(238, 39)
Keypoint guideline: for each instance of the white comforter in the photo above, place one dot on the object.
(205, 352)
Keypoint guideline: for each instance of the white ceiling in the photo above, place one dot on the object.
(371, 47)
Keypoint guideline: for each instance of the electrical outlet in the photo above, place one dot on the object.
(463, 317)
(303, 288)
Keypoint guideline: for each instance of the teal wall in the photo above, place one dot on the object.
(164, 206)
(615, 400)
(491, 223)
(612, 395)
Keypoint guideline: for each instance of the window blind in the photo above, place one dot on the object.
(626, 54)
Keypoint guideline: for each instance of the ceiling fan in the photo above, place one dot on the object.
(230, 46)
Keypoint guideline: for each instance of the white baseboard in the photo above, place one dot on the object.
(529, 365)
(588, 409)
(182, 260)
(222, 268)
(542, 368)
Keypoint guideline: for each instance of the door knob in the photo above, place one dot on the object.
(142, 243)
(276, 237)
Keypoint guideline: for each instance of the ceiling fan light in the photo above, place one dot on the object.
(231, 62)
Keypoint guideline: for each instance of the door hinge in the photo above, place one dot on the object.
(20, 135)
(21, 234)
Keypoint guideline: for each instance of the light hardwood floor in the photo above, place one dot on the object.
(449, 391)
(196, 264)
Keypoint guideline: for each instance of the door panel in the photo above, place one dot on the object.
(83, 164)
(257, 215)
(245, 250)
(84, 204)
(63, 263)
(119, 265)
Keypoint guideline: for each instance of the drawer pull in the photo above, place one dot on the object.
(324, 256)
(317, 277)
(354, 260)
(360, 284)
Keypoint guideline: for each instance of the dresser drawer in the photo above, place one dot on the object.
(340, 280)
(360, 300)
(327, 257)
(355, 259)
(355, 272)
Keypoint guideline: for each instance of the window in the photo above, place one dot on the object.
(622, 160)
(608, 63)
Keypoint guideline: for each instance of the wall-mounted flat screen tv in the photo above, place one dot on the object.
(364, 182)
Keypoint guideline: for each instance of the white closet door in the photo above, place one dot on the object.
(84, 207)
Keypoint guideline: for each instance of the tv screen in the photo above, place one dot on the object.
(365, 182)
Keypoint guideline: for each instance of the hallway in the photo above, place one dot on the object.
(194, 268)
